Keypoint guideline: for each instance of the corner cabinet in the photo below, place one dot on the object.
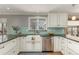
(57, 20)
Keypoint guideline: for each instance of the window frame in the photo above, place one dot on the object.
(37, 20)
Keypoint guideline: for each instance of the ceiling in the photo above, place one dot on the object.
(38, 8)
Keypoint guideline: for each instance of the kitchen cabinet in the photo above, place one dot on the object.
(26, 44)
(73, 46)
(57, 20)
(69, 47)
(22, 43)
(64, 44)
(29, 45)
(17, 45)
(57, 44)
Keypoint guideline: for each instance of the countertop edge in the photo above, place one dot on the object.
(7, 40)
(23, 36)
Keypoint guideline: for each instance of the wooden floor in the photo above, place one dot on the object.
(40, 53)
(55, 53)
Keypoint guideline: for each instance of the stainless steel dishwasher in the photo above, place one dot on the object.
(47, 44)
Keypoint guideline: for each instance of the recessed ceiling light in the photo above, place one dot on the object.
(8, 8)
(73, 17)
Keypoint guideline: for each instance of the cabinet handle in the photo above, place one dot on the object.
(33, 38)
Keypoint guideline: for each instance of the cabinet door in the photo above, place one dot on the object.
(62, 20)
(26, 44)
(22, 43)
(38, 44)
(29, 47)
(18, 45)
(52, 20)
(57, 20)
(38, 47)
(73, 46)
(62, 46)
(57, 43)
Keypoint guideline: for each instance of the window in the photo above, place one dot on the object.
(37, 23)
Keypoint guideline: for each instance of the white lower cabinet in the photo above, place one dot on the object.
(57, 43)
(17, 45)
(66, 46)
(73, 48)
(29, 45)
(25, 44)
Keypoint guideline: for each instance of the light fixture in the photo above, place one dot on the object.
(73, 17)
(8, 8)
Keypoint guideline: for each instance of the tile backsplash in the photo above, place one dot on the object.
(24, 30)
(56, 30)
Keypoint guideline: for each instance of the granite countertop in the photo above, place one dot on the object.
(11, 37)
(73, 38)
(8, 40)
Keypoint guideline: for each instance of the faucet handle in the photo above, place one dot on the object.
(33, 38)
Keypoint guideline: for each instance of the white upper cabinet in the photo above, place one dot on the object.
(52, 20)
(63, 19)
(57, 20)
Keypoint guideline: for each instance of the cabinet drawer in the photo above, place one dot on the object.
(71, 52)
